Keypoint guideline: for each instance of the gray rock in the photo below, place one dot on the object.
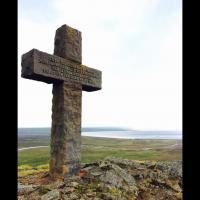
(124, 163)
(74, 184)
(96, 173)
(52, 195)
(68, 190)
(176, 188)
(110, 177)
(108, 196)
(117, 177)
(26, 189)
(74, 197)
(173, 168)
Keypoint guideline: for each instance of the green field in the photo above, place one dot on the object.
(98, 148)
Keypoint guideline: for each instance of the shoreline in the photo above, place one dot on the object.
(131, 138)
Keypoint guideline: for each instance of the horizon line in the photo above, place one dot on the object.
(132, 129)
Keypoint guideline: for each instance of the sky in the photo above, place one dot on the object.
(137, 44)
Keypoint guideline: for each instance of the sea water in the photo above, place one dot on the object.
(135, 135)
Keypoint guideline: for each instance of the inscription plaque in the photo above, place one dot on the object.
(48, 68)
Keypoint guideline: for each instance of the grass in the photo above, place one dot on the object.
(40, 156)
(99, 148)
(33, 157)
(31, 141)
(90, 156)
(24, 170)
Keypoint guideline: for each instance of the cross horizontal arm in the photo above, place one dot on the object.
(48, 68)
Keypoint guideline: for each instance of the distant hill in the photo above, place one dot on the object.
(46, 131)
(122, 131)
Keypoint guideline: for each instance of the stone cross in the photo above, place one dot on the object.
(69, 78)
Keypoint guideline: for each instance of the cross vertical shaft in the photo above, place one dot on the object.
(66, 109)
(66, 129)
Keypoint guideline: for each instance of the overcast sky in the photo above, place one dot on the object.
(137, 44)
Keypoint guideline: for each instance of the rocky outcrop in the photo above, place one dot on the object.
(113, 179)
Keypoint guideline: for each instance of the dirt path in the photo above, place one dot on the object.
(31, 148)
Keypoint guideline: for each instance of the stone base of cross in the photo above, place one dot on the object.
(69, 78)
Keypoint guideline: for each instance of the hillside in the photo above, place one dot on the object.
(109, 179)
